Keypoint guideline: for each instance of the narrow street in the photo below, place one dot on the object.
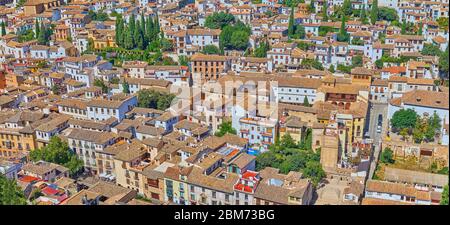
(375, 110)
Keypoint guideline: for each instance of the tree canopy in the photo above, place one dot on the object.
(404, 118)
(261, 50)
(153, 99)
(58, 151)
(444, 199)
(387, 156)
(388, 14)
(234, 36)
(225, 128)
(218, 20)
(374, 12)
(211, 50)
(287, 155)
(10, 192)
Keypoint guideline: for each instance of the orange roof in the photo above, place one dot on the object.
(395, 69)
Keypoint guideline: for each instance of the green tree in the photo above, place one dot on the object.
(444, 198)
(291, 26)
(149, 30)
(388, 14)
(43, 37)
(153, 99)
(431, 49)
(403, 31)
(443, 62)
(125, 87)
(374, 12)
(10, 192)
(58, 151)
(404, 133)
(102, 85)
(143, 24)
(218, 20)
(443, 23)
(20, 3)
(347, 8)
(387, 156)
(156, 27)
(419, 32)
(74, 165)
(287, 141)
(404, 118)
(357, 61)
(325, 11)
(417, 135)
(139, 36)
(225, 128)
(119, 30)
(183, 60)
(312, 7)
(343, 68)
(435, 121)
(3, 28)
(311, 63)
(211, 50)
(331, 69)
(306, 102)
(166, 45)
(55, 90)
(261, 51)
(239, 40)
(266, 159)
(314, 171)
(300, 32)
(343, 35)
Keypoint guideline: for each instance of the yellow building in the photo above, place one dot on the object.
(102, 38)
(16, 140)
(133, 168)
(175, 186)
(295, 127)
(362, 76)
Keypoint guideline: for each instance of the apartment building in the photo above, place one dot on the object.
(117, 107)
(86, 144)
(208, 67)
(296, 90)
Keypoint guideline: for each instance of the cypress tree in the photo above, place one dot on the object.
(374, 12)
(132, 28)
(311, 7)
(363, 16)
(3, 28)
(343, 35)
(138, 36)
(149, 30)
(291, 28)
(143, 23)
(403, 31)
(306, 102)
(37, 28)
(419, 32)
(157, 28)
(119, 30)
(324, 11)
(42, 38)
(128, 40)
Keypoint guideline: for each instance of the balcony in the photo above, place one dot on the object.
(266, 134)
(245, 131)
